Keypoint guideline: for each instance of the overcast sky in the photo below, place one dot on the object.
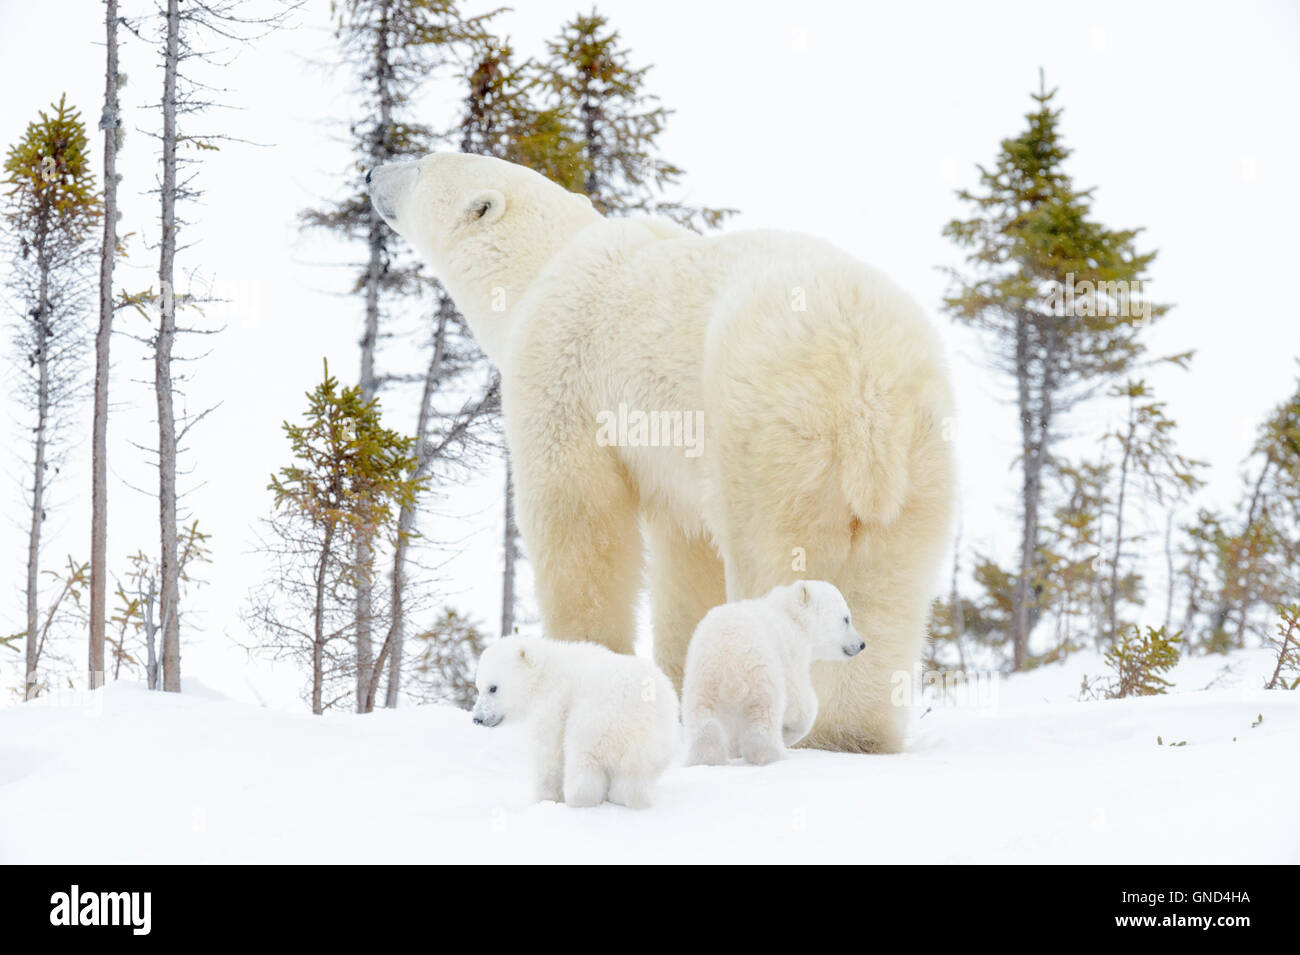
(854, 122)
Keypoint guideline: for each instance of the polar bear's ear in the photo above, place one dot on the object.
(485, 207)
(801, 593)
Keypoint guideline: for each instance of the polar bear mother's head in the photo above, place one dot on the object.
(485, 226)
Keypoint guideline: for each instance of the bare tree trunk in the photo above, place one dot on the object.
(397, 629)
(109, 123)
(169, 568)
(391, 650)
(364, 617)
(1035, 432)
(511, 555)
(38, 477)
(1028, 501)
(1169, 570)
(1112, 598)
(957, 615)
(370, 335)
(318, 625)
(1224, 610)
(392, 647)
(149, 601)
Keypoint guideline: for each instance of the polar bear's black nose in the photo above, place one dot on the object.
(368, 176)
(862, 646)
(478, 721)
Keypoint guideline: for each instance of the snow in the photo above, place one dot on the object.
(1014, 770)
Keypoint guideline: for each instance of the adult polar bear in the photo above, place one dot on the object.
(823, 394)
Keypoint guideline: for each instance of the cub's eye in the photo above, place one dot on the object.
(492, 688)
(846, 621)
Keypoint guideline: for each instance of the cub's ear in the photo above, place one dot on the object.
(801, 593)
(485, 207)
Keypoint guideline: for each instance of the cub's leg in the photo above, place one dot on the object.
(760, 740)
(585, 782)
(709, 743)
(630, 790)
(548, 759)
(800, 710)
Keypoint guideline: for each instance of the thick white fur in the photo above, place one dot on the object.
(604, 724)
(824, 396)
(748, 687)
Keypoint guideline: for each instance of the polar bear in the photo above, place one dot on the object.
(820, 387)
(604, 724)
(748, 686)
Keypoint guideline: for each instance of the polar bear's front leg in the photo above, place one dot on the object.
(548, 758)
(686, 582)
(581, 527)
(585, 782)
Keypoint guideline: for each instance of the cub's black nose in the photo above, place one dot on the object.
(478, 721)
(862, 645)
(367, 177)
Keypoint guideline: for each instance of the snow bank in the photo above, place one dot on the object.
(1019, 771)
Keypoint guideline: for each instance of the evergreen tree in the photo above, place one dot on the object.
(1149, 463)
(1072, 550)
(349, 479)
(1200, 550)
(1259, 565)
(393, 47)
(1286, 644)
(1139, 661)
(601, 95)
(446, 660)
(50, 211)
(1031, 241)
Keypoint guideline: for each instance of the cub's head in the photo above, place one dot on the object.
(486, 226)
(820, 608)
(507, 672)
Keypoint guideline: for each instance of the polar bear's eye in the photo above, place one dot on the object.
(492, 688)
(846, 621)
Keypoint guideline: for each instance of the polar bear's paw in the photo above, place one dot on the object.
(584, 788)
(630, 791)
(708, 745)
(758, 747)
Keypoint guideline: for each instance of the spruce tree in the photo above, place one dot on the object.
(392, 47)
(1259, 563)
(51, 208)
(1030, 237)
(602, 96)
(1150, 463)
(349, 479)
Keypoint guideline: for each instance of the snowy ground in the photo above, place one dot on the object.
(1014, 771)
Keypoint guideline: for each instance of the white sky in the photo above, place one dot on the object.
(855, 122)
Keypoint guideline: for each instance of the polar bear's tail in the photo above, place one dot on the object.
(875, 454)
(887, 444)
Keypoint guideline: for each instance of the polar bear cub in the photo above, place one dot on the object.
(604, 724)
(748, 688)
